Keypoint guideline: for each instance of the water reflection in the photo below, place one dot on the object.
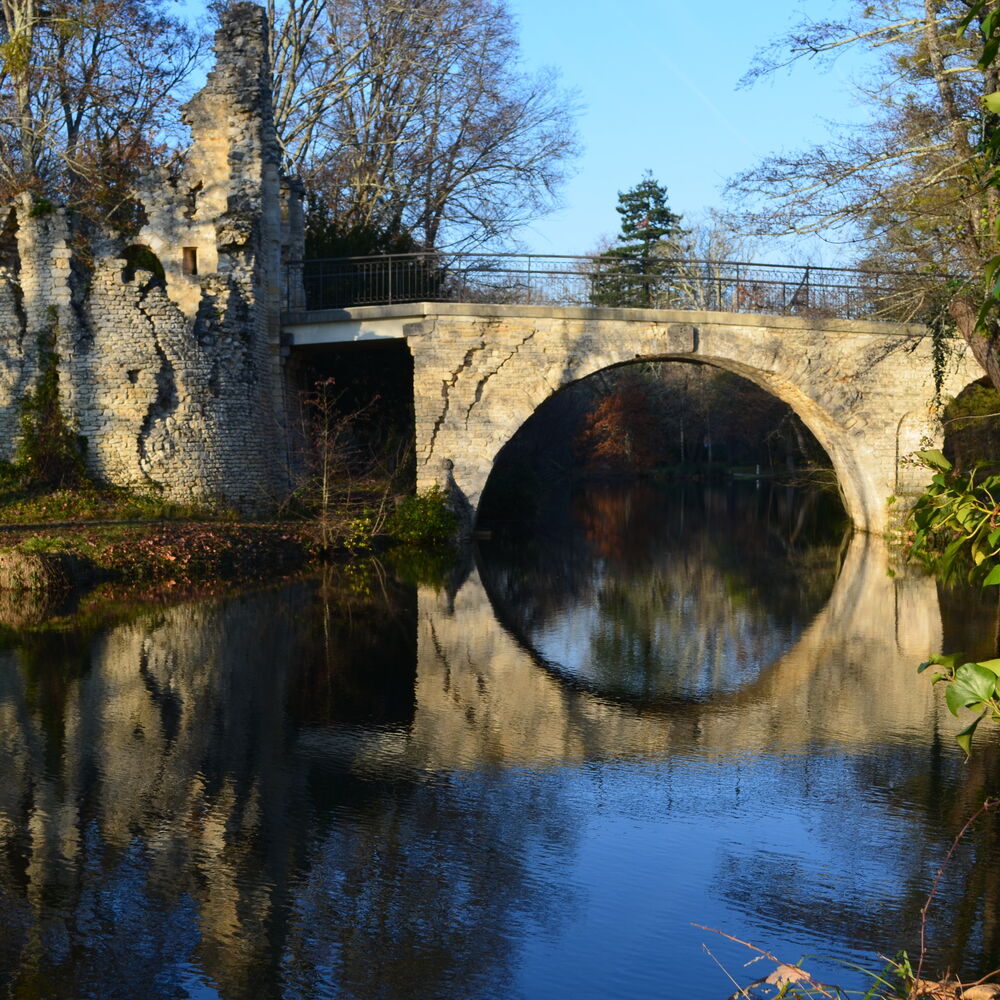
(173, 818)
(668, 592)
(376, 791)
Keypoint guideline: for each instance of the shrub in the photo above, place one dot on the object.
(48, 451)
(424, 520)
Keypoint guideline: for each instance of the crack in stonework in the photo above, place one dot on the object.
(446, 386)
(166, 401)
(482, 382)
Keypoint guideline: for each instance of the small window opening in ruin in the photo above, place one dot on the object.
(189, 263)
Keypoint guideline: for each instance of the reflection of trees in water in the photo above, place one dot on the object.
(674, 592)
(425, 893)
(165, 817)
(357, 655)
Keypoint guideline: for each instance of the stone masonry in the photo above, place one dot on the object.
(864, 389)
(170, 348)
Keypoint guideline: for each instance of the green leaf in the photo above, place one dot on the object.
(964, 738)
(967, 20)
(949, 660)
(935, 459)
(992, 578)
(992, 102)
(989, 52)
(991, 268)
(948, 557)
(973, 685)
(992, 665)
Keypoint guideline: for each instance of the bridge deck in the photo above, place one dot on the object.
(305, 327)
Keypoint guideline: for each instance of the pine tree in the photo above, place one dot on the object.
(638, 269)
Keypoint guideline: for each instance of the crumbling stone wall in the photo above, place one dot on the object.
(173, 378)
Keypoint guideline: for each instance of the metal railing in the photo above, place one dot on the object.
(550, 280)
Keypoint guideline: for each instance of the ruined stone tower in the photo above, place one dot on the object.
(170, 355)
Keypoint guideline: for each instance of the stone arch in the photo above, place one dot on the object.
(140, 257)
(858, 501)
(480, 372)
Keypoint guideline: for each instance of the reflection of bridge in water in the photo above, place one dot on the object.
(491, 340)
(481, 696)
(167, 746)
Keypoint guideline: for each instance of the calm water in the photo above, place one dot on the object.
(689, 707)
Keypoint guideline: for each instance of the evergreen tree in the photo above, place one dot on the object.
(638, 270)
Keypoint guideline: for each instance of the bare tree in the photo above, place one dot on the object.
(908, 189)
(413, 116)
(88, 89)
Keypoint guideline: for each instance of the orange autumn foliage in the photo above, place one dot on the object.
(620, 433)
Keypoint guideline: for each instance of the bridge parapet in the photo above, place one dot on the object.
(608, 281)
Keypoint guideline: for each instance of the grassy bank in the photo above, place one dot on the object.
(178, 553)
(87, 535)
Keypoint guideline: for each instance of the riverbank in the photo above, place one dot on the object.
(181, 553)
(78, 538)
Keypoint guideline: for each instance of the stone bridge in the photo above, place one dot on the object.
(865, 389)
(172, 353)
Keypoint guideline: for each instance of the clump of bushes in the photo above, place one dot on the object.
(49, 453)
(425, 520)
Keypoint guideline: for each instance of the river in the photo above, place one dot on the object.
(678, 707)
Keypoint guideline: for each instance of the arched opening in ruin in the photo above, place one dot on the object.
(664, 420)
(139, 257)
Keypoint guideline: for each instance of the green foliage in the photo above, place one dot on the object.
(637, 271)
(329, 236)
(968, 687)
(358, 533)
(48, 451)
(425, 520)
(647, 221)
(40, 207)
(94, 502)
(942, 327)
(421, 566)
(956, 522)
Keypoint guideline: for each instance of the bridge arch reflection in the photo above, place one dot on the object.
(850, 673)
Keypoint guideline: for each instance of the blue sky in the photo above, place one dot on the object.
(658, 83)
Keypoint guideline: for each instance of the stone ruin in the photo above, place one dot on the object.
(171, 367)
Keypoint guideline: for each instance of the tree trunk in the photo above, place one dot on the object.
(984, 345)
